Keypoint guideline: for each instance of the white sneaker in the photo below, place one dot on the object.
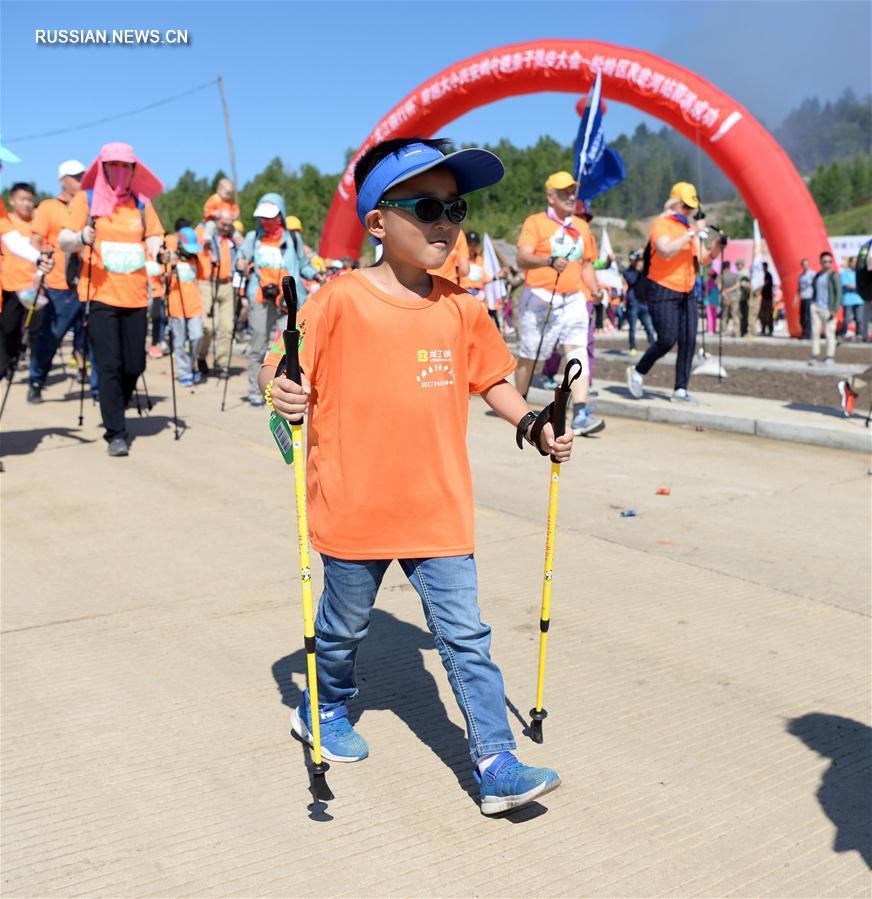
(828, 361)
(634, 382)
(682, 396)
(813, 361)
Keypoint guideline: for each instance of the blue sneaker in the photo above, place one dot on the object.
(198, 377)
(339, 741)
(507, 784)
(186, 381)
(584, 424)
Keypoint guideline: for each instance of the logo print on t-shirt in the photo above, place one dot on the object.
(439, 370)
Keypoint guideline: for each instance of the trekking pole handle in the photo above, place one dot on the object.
(291, 335)
(561, 397)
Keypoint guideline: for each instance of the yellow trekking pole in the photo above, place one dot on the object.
(291, 336)
(558, 423)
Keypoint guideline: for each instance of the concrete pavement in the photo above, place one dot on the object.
(708, 673)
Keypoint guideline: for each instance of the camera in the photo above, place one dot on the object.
(270, 291)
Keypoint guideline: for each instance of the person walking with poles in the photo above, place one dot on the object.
(556, 249)
(392, 346)
(113, 216)
(184, 302)
(64, 311)
(270, 252)
(216, 293)
(675, 260)
(23, 304)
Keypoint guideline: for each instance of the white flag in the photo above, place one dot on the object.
(757, 259)
(495, 290)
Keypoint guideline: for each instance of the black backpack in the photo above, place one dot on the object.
(864, 276)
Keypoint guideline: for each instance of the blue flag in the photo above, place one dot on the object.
(596, 167)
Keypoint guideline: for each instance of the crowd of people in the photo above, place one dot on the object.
(95, 262)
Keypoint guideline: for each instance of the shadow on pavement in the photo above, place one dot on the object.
(845, 792)
(22, 443)
(412, 694)
(151, 425)
(820, 410)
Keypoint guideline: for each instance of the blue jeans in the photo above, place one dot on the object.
(448, 588)
(64, 312)
(637, 311)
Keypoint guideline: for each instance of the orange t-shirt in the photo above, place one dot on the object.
(50, 217)
(215, 204)
(269, 262)
(17, 273)
(546, 237)
(477, 277)
(118, 253)
(185, 300)
(380, 365)
(225, 260)
(679, 272)
(459, 252)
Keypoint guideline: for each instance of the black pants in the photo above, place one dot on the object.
(11, 329)
(117, 337)
(674, 315)
(805, 318)
(766, 317)
(743, 316)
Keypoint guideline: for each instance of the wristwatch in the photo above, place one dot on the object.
(551, 261)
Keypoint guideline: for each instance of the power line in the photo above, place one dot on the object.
(112, 118)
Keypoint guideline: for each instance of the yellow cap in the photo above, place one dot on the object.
(293, 223)
(685, 192)
(318, 263)
(560, 181)
(239, 226)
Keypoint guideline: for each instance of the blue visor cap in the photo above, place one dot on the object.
(472, 168)
(188, 241)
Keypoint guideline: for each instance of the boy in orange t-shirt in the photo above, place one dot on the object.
(392, 347)
(221, 201)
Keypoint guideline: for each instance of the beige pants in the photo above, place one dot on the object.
(732, 317)
(223, 321)
(822, 318)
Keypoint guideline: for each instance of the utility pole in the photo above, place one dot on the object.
(229, 136)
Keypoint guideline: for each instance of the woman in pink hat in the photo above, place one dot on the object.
(113, 217)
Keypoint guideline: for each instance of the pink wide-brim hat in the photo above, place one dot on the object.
(145, 185)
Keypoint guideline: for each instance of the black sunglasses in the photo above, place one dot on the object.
(431, 209)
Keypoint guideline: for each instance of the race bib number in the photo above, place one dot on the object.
(565, 245)
(187, 273)
(269, 257)
(122, 258)
(476, 272)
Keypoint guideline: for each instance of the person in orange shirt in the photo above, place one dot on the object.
(21, 280)
(216, 291)
(456, 265)
(223, 200)
(556, 249)
(676, 259)
(64, 311)
(269, 253)
(390, 350)
(113, 216)
(184, 302)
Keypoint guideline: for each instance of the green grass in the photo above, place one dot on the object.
(850, 221)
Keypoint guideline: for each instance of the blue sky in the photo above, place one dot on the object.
(306, 80)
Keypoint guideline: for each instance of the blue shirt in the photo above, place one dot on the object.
(822, 291)
(850, 297)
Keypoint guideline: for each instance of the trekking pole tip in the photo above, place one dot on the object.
(537, 716)
(320, 790)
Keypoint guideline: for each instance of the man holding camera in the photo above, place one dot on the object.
(675, 260)
(269, 253)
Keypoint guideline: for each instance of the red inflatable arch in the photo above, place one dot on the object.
(742, 148)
